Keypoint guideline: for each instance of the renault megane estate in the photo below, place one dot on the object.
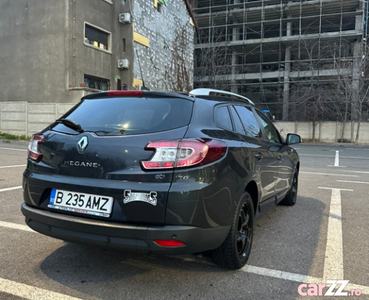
(160, 172)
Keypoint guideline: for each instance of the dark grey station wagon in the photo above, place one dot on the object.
(159, 172)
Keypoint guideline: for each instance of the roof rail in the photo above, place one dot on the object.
(212, 92)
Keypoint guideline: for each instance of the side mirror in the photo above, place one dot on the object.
(293, 139)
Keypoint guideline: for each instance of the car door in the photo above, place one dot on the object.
(282, 152)
(265, 160)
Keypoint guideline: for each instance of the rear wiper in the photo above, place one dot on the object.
(105, 132)
(71, 124)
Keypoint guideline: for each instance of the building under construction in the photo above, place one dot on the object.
(290, 57)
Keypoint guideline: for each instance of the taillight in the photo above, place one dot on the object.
(34, 147)
(183, 153)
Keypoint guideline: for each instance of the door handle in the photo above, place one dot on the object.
(258, 156)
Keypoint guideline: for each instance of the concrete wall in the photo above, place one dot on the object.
(326, 132)
(164, 30)
(22, 118)
(32, 50)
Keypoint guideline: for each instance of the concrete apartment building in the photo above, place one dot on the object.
(56, 51)
(273, 51)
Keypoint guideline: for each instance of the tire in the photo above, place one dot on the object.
(291, 197)
(235, 250)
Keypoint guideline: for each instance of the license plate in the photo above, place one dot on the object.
(82, 203)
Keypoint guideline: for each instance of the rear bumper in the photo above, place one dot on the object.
(128, 237)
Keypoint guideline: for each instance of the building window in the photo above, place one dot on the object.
(97, 37)
(97, 83)
(124, 45)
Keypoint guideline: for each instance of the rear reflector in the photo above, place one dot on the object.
(170, 243)
(34, 147)
(183, 153)
(125, 93)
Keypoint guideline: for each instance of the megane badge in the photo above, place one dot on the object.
(82, 144)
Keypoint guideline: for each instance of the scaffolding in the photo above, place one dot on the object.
(272, 51)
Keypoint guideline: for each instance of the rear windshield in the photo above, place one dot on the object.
(127, 116)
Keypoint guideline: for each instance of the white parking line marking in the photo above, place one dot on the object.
(298, 277)
(348, 181)
(355, 157)
(337, 159)
(357, 149)
(11, 189)
(15, 226)
(30, 292)
(329, 188)
(337, 166)
(281, 274)
(329, 156)
(333, 263)
(14, 166)
(359, 172)
(15, 149)
(329, 174)
(315, 155)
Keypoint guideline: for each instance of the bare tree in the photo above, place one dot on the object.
(311, 96)
(352, 83)
(179, 73)
(337, 88)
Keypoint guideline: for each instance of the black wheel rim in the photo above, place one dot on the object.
(244, 232)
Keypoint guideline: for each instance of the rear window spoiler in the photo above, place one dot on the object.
(144, 94)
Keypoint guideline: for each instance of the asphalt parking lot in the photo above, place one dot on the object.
(323, 237)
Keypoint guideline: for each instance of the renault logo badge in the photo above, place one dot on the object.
(82, 144)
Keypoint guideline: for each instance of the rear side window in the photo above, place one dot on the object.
(237, 122)
(249, 121)
(127, 116)
(222, 118)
